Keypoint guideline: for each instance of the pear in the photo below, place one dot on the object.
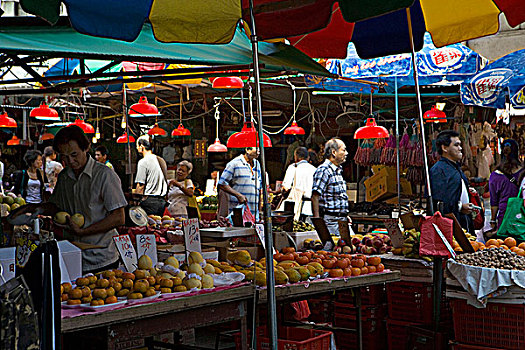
(145, 262)
(172, 261)
(196, 269)
(207, 281)
(195, 257)
(78, 219)
(61, 217)
(209, 268)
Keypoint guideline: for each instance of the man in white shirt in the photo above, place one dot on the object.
(52, 167)
(151, 179)
(300, 176)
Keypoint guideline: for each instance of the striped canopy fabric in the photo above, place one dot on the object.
(321, 28)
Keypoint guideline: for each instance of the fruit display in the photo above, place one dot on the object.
(495, 257)
(313, 244)
(366, 244)
(220, 222)
(410, 247)
(62, 216)
(10, 202)
(299, 226)
(207, 202)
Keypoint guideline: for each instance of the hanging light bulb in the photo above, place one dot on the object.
(97, 133)
(123, 123)
(94, 139)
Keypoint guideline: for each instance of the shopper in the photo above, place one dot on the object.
(329, 197)
(298, 182)
(53, 168)
(504, 182)
(449, 185)
(180, 189)
(151, 179)
(88, 188)
(101, 155)
(242, 181)
(30, 182)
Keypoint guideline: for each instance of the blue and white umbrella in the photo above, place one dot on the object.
(502, 79)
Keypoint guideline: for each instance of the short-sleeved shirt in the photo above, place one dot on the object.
(95, 193)
(149, 173)
(240, 176)
(329, 183)
(52, 170)
(178, 199)
(301, 176)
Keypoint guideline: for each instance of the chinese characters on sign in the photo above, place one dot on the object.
(126, 251)
(192, 236)
(146, 245)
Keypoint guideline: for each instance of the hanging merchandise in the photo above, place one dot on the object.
(363, 154)
(388, 155)
(375, 156)
(404, 144)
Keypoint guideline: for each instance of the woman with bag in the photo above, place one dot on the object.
(180, 190)
(30, 182)
(504, 182)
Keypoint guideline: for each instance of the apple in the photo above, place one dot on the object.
(347, 249)
(341, 243)
(377, 242)
(78, 219)
(369, 243)
(356, 241)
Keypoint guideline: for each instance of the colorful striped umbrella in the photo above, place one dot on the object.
(321, 28)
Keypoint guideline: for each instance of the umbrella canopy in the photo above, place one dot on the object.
(381, 25)
(503, 77)
(449, 65)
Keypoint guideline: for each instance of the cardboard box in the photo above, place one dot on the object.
(383, 184)
(300, 237)
(70, 262)
(7, 261)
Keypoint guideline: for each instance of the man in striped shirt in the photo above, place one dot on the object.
(242, 180)
(329, 197)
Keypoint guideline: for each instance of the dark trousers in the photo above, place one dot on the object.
(154, 205)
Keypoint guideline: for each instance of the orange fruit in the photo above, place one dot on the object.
(492, 246)
(492, 241)
(372, 269)
(380, 268)
(509, 242)
(336, 273)
(513, 249)
(521, 245)
(481, 246)
(357, 263)
(504, 247)
(374, 260)
(347, 272)
(364, 270)
(500, 241)
(520, 252)
(356, 271)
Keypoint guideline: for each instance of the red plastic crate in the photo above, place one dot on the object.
(346, 340)
(320, 310)
(412, 302)
(370, 295)
(398, 333)
(458, 346)
(292, 338)
(372, 317)
(498, 325)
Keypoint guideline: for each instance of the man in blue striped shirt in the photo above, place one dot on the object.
(242, 180)
(329, 197)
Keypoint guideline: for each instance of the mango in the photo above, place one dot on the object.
(213, 263)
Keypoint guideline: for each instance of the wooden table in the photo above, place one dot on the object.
(128, 327)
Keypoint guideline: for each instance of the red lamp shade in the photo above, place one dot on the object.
(180, 131)
(156, 130)
(47, 136)
(371, 131)
(124, 138)
(294, 129)
(217, 146)
(6, 121)
(44, 113)
(434, 115)
(88, 128)
(247, 137)
(14, 141)
(227, 83)
(143, 109)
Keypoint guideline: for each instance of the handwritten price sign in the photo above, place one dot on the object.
(192, 236)
(146, 245)
(396, 236)
(127, 252)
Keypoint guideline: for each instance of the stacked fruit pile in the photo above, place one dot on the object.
(366, 244)
(10, 202)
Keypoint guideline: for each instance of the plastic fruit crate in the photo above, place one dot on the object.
(370, 295)
(398, 333)
(412, 302)
(458, 346)
(346, 340)
(497, 325)
(292, 338)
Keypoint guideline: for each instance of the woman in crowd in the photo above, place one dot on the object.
(504, 182)
(30, 182)
(180, 189)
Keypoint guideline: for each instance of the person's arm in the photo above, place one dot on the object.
(139, 188)
(115, 218)
(493, 215)
(188, 191)
(227, 188)
(315, 204)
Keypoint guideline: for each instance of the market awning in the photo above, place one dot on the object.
(63, 41)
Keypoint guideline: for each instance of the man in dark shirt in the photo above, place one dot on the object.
(448, 183)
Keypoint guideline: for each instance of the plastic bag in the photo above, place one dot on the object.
(430, 242)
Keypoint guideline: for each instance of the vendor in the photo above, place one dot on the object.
(180, 189)
(91, 189)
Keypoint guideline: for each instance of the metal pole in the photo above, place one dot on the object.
(398, 166)
(430, 205)
(125, 114)
(272, 316)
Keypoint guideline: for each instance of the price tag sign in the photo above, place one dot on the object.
(192, 235)
(127, 252)
(259, 228)
(396, 236)
(146, 245)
